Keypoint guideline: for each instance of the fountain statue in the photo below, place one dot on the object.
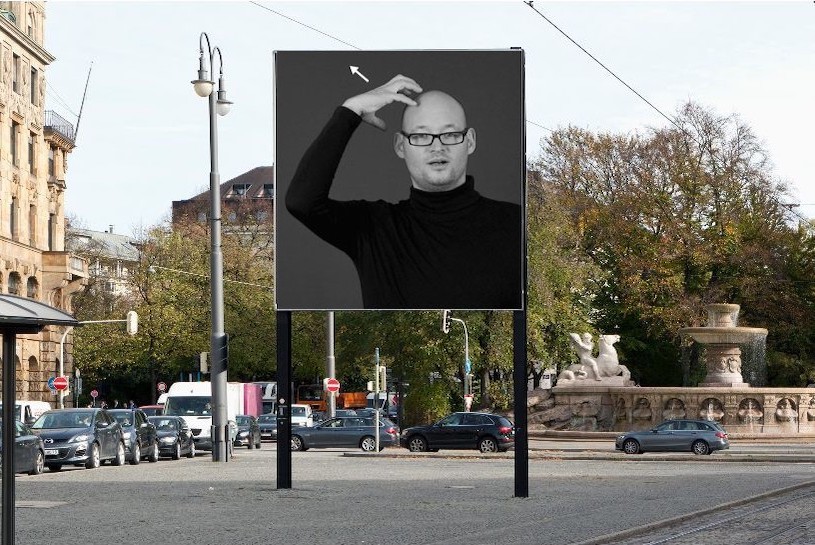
(605, 369)
(721, 338)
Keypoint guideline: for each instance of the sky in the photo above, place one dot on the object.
(143, 137)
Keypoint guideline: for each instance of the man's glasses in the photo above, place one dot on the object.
(426, 139)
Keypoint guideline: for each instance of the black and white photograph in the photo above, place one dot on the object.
(399, 180)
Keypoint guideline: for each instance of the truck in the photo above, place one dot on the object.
(315, 396)
(268, 391)
(193, 402)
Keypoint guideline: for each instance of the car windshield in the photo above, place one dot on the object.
(267, 419)
(243, 420)
(55, 420)
(298, 411)
(125, 419)
(163, 424)
(188, 406)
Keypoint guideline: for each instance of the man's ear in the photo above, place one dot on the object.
(470, 141)
(399, 145)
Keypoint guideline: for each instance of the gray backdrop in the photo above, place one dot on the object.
(310, 273)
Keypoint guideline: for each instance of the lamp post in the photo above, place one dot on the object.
(204, 87)
(447, 319)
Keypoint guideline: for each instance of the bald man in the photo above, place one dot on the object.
(446, 246)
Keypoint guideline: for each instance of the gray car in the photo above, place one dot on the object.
(697, 436)
(80, 437)
(347, 431)
(29, 452)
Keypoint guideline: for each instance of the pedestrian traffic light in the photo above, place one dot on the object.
(446, 321)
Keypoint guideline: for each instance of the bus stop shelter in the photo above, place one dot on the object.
(18, 316)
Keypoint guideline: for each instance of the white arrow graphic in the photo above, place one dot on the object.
(355, 70)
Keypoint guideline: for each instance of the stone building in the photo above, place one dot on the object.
(111, 258)
(34, 145)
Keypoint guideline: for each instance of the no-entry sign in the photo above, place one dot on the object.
(161, 386)
(332, 385)
(61, 383)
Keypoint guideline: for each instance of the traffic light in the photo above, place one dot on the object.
(446, 321)
(132, 322)
(383, 378)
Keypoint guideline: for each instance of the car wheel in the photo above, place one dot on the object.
(700, 447)
(54, 467)
(177, 453)
(39, 464)
(630, 446)
(368, 444)
(192, 450)
(93, 457)
(417, 443)
(119, 460)
(135, 454)
(153, 458)
(297, 443)
(487, 445)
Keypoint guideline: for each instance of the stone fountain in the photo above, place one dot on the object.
(597, 395)
(722, 338)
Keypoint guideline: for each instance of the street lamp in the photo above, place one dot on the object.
(203, 87)
(446, 321)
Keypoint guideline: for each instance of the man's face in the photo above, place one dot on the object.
(437, 167)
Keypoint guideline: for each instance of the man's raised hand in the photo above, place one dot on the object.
(367, 104)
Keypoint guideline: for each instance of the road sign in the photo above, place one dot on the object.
(61, 383)
(94, 394)
(51, 383)
(161, 387)
(332, 385)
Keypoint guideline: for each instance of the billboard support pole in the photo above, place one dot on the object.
(284, 399)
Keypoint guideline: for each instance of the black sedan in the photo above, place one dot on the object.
(29, 452)
(479, 431)
(268, 426)
(248, 431)
(174, 436)
(696, 436)
(80, 437)
(140, 436)
(345, 431)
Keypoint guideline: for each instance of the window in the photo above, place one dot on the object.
(13, 218)
(33, 87)
(240, 190)
(15, 67)
(202, 217)
(31, 149)
(51, 165)
(268, 191)
(14, 283)
(15, 128)
(52, 231)
(32, 225)
(32, 288)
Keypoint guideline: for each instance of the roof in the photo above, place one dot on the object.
(22, 313)
(256, 179)
(109, 245)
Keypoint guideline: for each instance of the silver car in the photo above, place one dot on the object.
(345, 431)
(697, 436)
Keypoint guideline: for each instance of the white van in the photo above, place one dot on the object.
(301, 415)
(28, 411)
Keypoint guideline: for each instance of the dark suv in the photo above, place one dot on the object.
(481, 431)
(80, 437)
(140, 436)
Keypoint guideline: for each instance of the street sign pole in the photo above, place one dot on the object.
(284, 393)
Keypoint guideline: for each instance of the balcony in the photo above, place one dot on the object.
(57, 126)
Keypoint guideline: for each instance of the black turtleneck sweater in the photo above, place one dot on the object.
(452, 249)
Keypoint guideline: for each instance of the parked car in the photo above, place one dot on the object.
(141, 441)
(345, 431)
(248, 431)
(697, 436)
(268, 426)
(80, 437)
(29, 452)
(174, 436)
(152, 410)
(479, 431)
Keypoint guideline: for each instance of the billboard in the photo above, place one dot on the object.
(399, 180)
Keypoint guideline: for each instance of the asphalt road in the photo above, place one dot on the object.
(338, 499)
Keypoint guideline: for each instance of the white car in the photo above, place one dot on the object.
(301, 415)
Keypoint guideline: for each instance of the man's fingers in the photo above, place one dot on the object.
(371, 119)
(399, 97)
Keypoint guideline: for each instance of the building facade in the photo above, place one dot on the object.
(111, 259)
(34, 145)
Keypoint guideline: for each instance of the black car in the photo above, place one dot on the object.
(139, 435)
(248, 431)
(268, 426)
(480, 431)
(80, 437)
(174, 436)
(29, 452)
